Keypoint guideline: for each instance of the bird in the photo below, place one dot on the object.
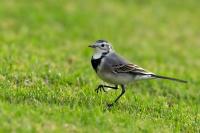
(116, 70)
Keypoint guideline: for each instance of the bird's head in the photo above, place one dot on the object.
(101, 46)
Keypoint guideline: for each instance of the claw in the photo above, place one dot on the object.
(100, 88)
(97, 90)
(110, 105)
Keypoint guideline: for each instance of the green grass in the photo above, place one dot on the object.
(47, 83)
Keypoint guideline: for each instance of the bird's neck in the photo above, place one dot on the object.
(99, 55)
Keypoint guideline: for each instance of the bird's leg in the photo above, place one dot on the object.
(123, 91)
(102, 87)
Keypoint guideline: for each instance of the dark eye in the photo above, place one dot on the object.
(102, 45)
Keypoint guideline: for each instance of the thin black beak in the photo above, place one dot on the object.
(92, 46)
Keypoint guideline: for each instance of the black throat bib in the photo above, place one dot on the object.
(96, 62)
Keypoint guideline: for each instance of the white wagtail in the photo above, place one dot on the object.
(115, 70)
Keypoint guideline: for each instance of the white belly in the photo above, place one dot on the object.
(122, 78)
(116, 78)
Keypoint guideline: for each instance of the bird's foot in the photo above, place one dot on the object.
(110, 105)
(100, 88)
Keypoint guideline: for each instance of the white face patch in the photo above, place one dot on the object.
(97, 55)
(101, 48)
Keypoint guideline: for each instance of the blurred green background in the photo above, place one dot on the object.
(47, 82)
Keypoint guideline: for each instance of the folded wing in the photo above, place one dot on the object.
(130, 68)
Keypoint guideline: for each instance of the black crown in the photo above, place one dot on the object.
(101, 41)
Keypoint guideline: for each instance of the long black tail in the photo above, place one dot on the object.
(169, 78)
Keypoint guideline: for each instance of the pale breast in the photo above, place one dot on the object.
(106, 73)
(116, 78)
